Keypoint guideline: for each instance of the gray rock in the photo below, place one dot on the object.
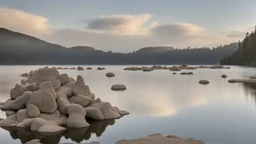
(24, 81)
(95, 101)
(64, 79)
(79, 88)
(224, 76)
(121, 112)
(44, 100)
(46, 74)
(17, 91)
(25, 123)
(52, 117)
(76, 117)
(107, 110)
(22, 114)
(9, 121)
(51, 129)
(47, 85)
(89, 68)
(25, 75)
(9, 113)
(37, 123)
(110, 74)
(81, 100)
(18, 103)
(80, 68)
(204, 82)
(34, 141)
(33, 111)
(65, 90)
(94, 113)
(175, 68)
(118, 87)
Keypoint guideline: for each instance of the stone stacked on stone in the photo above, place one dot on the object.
(48, 102)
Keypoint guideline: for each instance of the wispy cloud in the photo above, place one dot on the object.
(121, 24)
(24, 22)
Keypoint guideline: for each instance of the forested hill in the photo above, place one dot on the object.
(21, 49)
(246, 53)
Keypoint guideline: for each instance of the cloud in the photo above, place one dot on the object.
(23, 22)
(235, 34)
(121, 24)
(176, 30)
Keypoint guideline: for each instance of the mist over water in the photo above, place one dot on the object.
(160, 102)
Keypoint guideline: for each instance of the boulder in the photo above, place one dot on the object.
(175, 68)
(9, 121)
(101, 68)
(65, 90)
(47, 85)
(89, 68)
(46, 74)
(9, 113)
(204, 82)
(174, 73)
(17, 91)
(95, 101)
(110, 74)
(44, 100)
(64, 79)
(33, 111)
(107, 110)
(252, 77)
(79, 88)
(224, 76)
(94, 113)
(24, 81)
(52, 117)
(118, 87)
(147, 69)
(81, 100)
(80, 68)
(22, 114)
(37, 123)
(76, 117)
(34, 141)
(25, 75)
(121, 112)
(18, 103)
(25, 124)
(51, 129)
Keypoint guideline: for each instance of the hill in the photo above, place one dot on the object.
(246, 53)
(21, 49)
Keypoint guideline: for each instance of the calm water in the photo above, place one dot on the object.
(159, 102)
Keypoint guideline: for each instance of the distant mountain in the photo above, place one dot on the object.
(155, 49)
(21, 49)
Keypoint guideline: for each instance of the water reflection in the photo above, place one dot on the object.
(250, 91)
(76, 135)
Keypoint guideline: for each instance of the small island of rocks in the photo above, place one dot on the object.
(49, 102)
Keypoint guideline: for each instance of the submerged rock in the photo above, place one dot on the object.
(110, 74)
(160, 139)
(204, 82)
(224, 76)
(80, 68)
(118, 87)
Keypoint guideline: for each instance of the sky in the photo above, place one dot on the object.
(127, 25)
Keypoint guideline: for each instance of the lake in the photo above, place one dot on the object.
(159, 102)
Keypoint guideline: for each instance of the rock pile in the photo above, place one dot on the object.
(47, 102)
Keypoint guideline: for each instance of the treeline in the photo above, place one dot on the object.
(20, 49)
(246, 53)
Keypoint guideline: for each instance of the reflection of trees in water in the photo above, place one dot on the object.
(250, 90)
(77, 135)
